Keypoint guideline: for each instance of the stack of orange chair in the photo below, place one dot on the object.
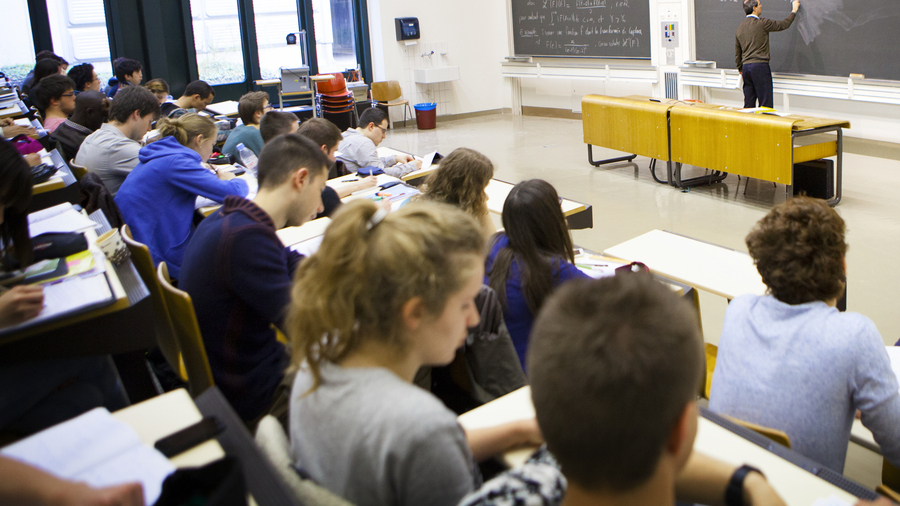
(335, 102)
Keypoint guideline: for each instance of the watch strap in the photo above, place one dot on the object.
(734, 493)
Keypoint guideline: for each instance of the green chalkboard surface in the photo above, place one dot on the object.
(829, 37)
(582, 28)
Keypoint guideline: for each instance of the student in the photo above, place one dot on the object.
(275, 123)
(37, 394)
(157, 199)
(790, 360)
(128, 73)
(55, 97)
(29, 81)
(384, 295)
(328, 136)
(251, 108)
(461, 181)
(23, 484)
(160, 88)
(42, 69)
(238, 275)
(85, 78)
(197, 95)
(358, 148)
(615, 365)
(91, 111)
(530, 258)
(112, 151)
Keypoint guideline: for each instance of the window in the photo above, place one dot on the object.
(275, 19)
(17, 57)
(217, 40)
(334, 22)
(78, 28)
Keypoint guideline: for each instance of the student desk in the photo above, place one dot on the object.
(415, 177)
(60, 188)
(578, 215)
(797, 479)
(175, 410)
(226, 108)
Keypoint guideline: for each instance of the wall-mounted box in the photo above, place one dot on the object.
(407, 28)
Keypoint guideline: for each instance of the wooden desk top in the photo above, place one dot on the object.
(722, 271)
(498, 190)
(799, 122)
(311, 229)
(268, 82)
(796, 486)
(166, 414)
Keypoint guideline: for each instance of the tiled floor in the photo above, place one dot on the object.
(627, 202)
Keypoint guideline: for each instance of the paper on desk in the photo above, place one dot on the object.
(427, 160)
(252, 190)
(595, 266)
(831, 501)
(97, 449)
(62, 218)
(308, 247)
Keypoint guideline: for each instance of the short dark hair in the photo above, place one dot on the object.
(285, 154)
(250, 104)
(50, 55)
(52, 88)
(82, 75)
(44, 68)
(126, 67)
(130, 99)
(275, 123)
(201, 88)
(613, 363)
(372, 115)
(799, 251)
(321, 131)
(749, 5)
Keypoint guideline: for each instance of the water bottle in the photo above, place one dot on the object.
(248, 159)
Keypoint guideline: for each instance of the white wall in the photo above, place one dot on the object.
(481, 86)
(474, 35)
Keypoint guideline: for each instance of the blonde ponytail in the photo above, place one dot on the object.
(187, 127)
(367, 268)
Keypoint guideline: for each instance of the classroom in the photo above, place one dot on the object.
(475, 253)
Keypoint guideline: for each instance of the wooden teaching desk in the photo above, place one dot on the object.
(799, 481)
(761, 146)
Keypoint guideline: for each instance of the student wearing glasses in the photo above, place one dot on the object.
(55, 98)
(251, 108)
(85, 78)
(358, 148)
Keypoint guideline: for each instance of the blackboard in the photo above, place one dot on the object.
(828, 37)
(582, 28)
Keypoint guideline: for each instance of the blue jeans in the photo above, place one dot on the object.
(757, 85)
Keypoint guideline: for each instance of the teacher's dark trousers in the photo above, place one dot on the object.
(757, 85)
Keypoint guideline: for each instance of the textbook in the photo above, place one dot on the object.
(97, 449)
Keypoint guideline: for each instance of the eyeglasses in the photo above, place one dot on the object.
(268, 107)
(383, 130)
(70, 94)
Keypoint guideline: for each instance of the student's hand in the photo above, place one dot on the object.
(225, 175)
(13, 130)
(881, 501)
(21, 303)
(796, 6)
(418, 164)
(33, 159)
(130, 494)
(529, 432)
(363, 184)
(403, 158)
(6, 122)
(758, 492)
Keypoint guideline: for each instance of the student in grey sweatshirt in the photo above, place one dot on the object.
(790, 360)
(358, 148)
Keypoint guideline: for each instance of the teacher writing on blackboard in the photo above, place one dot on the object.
(751, 52)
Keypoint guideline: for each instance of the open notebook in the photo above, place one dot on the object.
(97, 449)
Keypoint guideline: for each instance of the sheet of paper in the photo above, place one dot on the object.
(58, 219)
(49, 212)
(427, 160)
(595, 266)
(308, 247)
(831, 501)
(97, 449)
(68, 295)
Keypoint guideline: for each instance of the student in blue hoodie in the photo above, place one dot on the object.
(530, 258)
(157, 198)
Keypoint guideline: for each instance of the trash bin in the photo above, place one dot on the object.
(426, 115)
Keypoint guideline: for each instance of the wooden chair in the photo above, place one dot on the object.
(388, 93)
(888, 492)
(712, 352)
(78, 171)
(187, 331)
(776, 435)
(890, 478)
(165, 333)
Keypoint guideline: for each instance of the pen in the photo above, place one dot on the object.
(349, 180)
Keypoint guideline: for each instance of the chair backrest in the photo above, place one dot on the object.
(385, 91)
(779, 436)
(165, 334)
(712, 351)
(77, 170)
(187, 331)
(336, 84)
(888, 492)
(890, 476)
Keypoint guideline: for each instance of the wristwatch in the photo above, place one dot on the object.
(734, 493)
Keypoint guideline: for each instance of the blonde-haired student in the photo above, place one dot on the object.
(157, 198)
(385, 295)
(461, 181)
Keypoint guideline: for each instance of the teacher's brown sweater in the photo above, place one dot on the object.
(751, 42)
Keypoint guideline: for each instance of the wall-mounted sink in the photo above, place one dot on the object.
(436, 75)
